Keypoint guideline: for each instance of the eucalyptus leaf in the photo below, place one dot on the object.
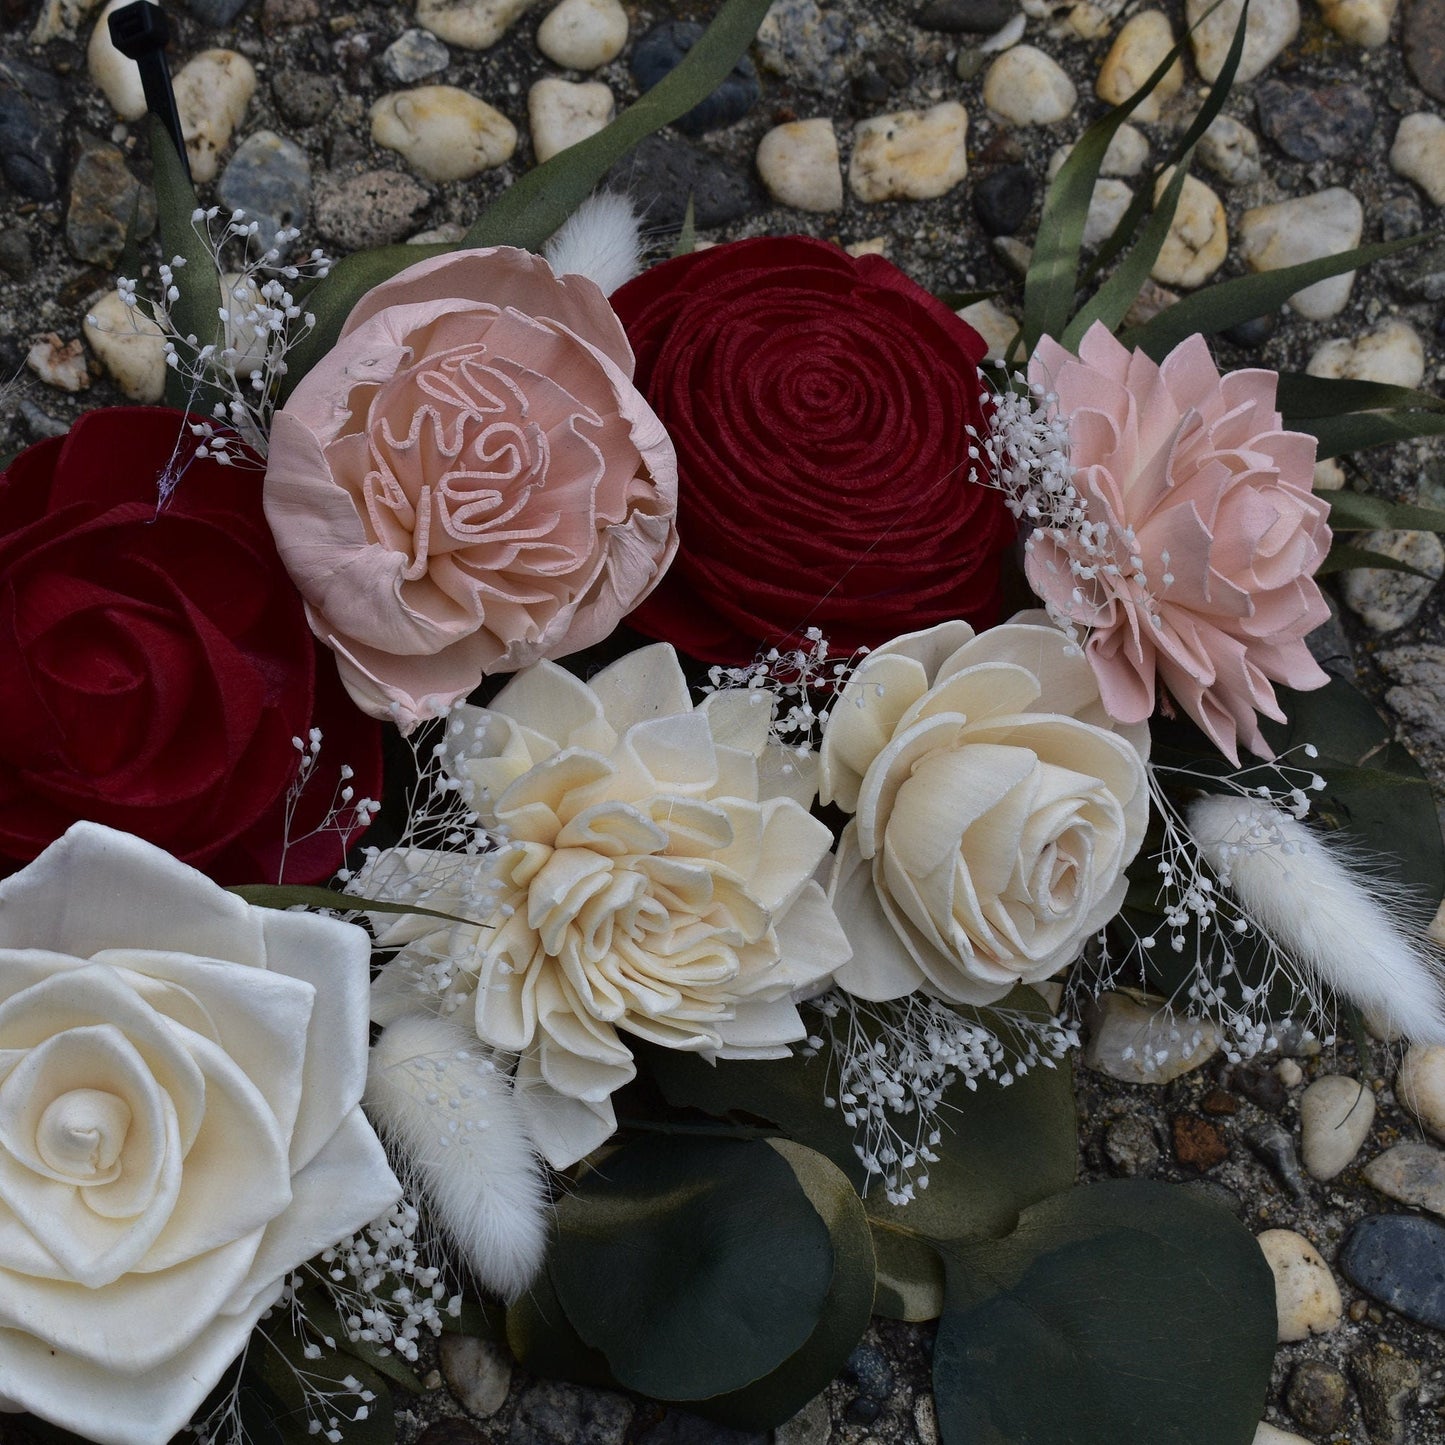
(910, 1274)
(695, 1266)
(1125, 1311)
(544, 1341)
(279, 1365)
(845, 1313)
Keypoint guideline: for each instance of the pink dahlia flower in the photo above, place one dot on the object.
(1200, 535)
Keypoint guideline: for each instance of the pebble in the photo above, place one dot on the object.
(269, 178)
(213, 90)
(1317, 1396)
(1272, 25)
(470, 24)
(58, 363)
(1004, 198)
(103, 197)
(1385, 1382)
(1127, 1038)
(1392, 353)
(1231, 150)
(277, 15)
(302, 97)
(1260, 1084)
(806, 44)
(216, 12)
(1289, 1073)
(1110, 199)
(966, 17)
(1385, 600)
(1137, 51)
(1130, 1147)
(1399, 1260)
(1198, 239)
(1198, 1143)
(910, 155)
(31, 140)
(1361, 22)
(375, 208)
(1025, 87)
(583, 34)
(414, 55)
(798, 163)
(1315, 123)
(1273, 1145)
(40, 424)
(1417, 699)
(1336, 1113)
(563, 112)
(992, 323)
(682, 1427)
(663, 171)
(658, 54)
(1126, 154)
(60, 19)
(117, 78)
(130, 346)
(1418, 153)
(1422, 37)
(477, 1371)
(16, 259)
(554, 1413)
(812, 1425)
(1306, 1296)
(1412, 1174)
(449, 1430)
(443, 133)
(1268, 1434)
(1420, 1082)
(1305, 229)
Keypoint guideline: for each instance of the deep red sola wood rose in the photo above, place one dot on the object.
(155, 663)
(819, 406)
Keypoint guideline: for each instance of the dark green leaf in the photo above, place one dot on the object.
(276, 1361)
(305, 895)
(482, 1319)
(1344, 558)
(1300, 396)
(531, 210)
(910, 1274)
(542, 1338)
(696, 1266)
(1360, 430)
(1127, 1311)
(323, 1317)
(1359, 512)
(846, 1310)
(1216, 308)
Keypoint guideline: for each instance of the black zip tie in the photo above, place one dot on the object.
(141, 32)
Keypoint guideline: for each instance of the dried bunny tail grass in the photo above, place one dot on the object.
(1338, 923)
(449, 1110)
(600, 240)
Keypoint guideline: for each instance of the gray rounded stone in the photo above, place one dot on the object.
(269, 178)
(1399, 1259)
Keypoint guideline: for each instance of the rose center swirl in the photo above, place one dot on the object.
(81, 1135)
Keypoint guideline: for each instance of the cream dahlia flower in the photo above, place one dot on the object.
(649, 882)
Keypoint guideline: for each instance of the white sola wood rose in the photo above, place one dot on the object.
(652, 879)
(180, 1076)
(995, 803)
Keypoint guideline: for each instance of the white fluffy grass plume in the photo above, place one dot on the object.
(450, 1114)
(1339, 925)
(600, 240)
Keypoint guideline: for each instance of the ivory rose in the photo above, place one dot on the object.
(995, 808)
(652, 879)
(1204, 535)
(468, 481)
(180, 1077)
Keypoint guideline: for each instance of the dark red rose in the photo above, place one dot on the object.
(819, 407)
(155, 663)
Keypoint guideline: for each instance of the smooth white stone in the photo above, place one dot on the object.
(583, 34)
(60, 19)
(470, 24)
(443, 133)
(1272, 24)
(1306, 1296)
(1392, 353)
(116, 77)
(1305, 229)
(1361, 22)
(213, 90)
(1126, 1040)
(1137, 51)
(1268, 1434)
(479, 1373)
(1420, 1086)
(798, 163)
(1231, 150)
(1382, 598)
(1107, 205)
(130, 346)
(998, 329)
(563, 112)
(1418, 153)
(909, 155)
(1125, 156)
(1289, 1073)
(1411, 1173)
(1335, 1116)
(1025, 87)
(1198, 239)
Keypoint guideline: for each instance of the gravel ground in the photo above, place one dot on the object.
(1325, 112)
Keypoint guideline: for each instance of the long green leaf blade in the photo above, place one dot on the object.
(1301, 396)
(1357, 432)
(1359, 512)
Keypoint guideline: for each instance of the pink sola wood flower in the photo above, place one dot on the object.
(1200, 534)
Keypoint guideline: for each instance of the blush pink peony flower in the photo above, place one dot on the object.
(468, 481)
(1194, 561)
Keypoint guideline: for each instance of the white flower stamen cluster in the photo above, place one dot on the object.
(896, 1061)
(346, 814)
(260, 320)
(1208, 926)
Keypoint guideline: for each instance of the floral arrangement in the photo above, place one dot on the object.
(701, 973)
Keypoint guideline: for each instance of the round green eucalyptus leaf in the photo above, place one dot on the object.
(695, 1266)
(910, 1274)
(1148, 1313)
(543, 1340)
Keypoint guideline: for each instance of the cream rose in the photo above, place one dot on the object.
(996, 806)
(180, 1077)
(468, 481)
(654, 879)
